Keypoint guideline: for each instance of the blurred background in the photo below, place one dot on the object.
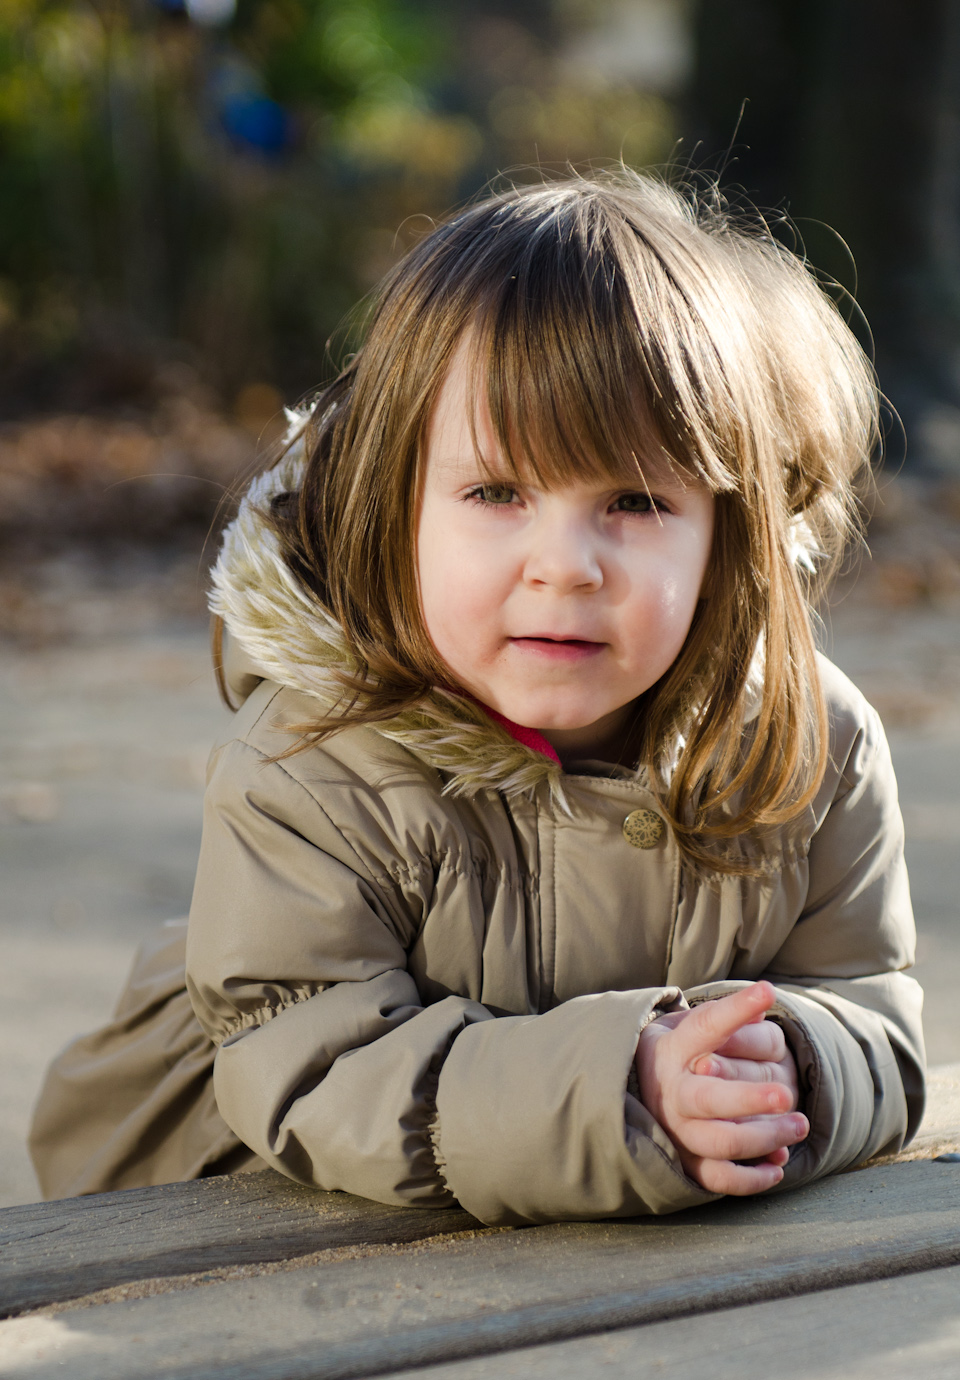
(194, 197)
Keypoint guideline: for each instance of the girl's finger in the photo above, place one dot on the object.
(737, 1180)
(712, 1023)
(779, 1157)
(747, 1140)
(740, 1070)
(764, 1040)
(715, 1098)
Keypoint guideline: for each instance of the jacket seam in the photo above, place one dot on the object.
(262, 1015)
(616, 786)
(431, 1085)
(868, 733)
(360, 868)
(397, 870)
(243, 737)
(553, 916)
(766, 864)
(540, 908)
(675, 915)
(466, 868)
(430, 1090)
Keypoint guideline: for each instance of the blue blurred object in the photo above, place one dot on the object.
(246, 114)
(257, 122)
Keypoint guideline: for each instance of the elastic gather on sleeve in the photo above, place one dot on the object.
(260, 1015)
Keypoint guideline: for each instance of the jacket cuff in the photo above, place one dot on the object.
(855, 1102)
(536, 1125)
(850, 1088)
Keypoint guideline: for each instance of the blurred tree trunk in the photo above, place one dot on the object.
(853, 120)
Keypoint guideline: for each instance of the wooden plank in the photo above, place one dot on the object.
(58, 1250)
(386, 1310)
(877, 1331)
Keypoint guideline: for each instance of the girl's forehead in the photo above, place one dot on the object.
(462, 396)
(461, 435)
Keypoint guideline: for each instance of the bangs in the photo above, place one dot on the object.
(590, 351)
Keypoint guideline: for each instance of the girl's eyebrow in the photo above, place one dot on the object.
(473, 462)
(468, 464)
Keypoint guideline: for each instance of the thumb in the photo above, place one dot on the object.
(712, 1023)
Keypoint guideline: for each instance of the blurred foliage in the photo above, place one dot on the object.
(163, 182)
(216, 196)
(847, 114)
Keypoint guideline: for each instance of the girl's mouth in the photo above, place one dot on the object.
(559, 648)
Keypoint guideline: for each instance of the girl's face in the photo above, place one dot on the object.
(555, 607)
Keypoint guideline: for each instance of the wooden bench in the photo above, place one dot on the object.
(253, 1278)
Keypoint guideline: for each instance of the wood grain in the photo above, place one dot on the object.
(59, 1250)
(492, 1293)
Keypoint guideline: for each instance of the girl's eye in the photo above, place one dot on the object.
(493, 495)
(637, 503)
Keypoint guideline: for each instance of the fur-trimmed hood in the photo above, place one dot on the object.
(292, 639)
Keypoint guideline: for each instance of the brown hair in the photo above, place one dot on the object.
(612, 319)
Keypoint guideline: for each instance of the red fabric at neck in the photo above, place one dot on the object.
(529, 737)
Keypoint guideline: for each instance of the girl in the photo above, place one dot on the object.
(546, 868)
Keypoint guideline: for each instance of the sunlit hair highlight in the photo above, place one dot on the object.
(616, 325)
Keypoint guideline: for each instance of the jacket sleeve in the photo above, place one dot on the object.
(334, 1071)
(850, 1014)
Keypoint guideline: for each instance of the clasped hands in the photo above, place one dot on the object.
(722, 1083)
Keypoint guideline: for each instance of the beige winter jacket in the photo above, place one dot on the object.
(421, 955)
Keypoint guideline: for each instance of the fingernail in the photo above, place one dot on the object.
(709, 1068)
(802, 1127)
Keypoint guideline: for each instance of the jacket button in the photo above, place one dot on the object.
(643, 828)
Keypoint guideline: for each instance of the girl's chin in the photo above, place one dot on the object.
(549, 718)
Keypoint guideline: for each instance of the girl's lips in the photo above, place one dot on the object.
(559, 649)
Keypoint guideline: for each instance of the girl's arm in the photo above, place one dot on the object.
(335, 1072)
(850, 1013)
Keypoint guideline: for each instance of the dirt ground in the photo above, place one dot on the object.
(107, 710)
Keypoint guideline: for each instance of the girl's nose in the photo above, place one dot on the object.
(563, 555)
